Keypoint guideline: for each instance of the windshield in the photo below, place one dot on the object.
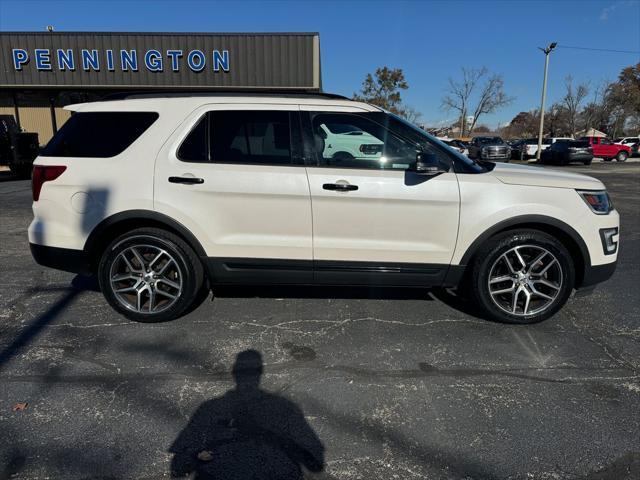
(466, 161)
(490, 140)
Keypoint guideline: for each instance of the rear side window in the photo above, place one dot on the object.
(98, 134)
(242, 136)
(257, 137)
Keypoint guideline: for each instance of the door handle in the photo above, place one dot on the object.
(187, 180)
(339, 187)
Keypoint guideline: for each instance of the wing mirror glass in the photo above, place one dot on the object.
(427, 164)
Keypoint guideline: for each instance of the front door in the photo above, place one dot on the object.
(235, 177)
(374, 221)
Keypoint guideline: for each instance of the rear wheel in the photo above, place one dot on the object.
(621, 156)
(150, 275)
(522, 276)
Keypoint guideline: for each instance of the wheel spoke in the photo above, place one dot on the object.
(520, 259)
(545, 269)
(166, 281)
(165, 266)
(502, 278)
(138, 257)
(514, 303)
(504, 290)
(129, 265)
(508, 262)
(152, 298)
(527, 299)
(123, 276)
(535, 262)
(126, 289)
(155, 259)
(165, 294)
(547, 283)
(540, 294)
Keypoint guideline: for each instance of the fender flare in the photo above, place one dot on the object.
(95, 239)
(530, 221)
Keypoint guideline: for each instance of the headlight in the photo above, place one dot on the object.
(598, 201)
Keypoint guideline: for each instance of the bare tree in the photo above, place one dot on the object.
(492, 97)
(460, 95)
(572, 100)
(411, 114)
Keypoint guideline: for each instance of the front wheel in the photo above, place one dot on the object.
(621, 156)
(150, 275)
(522, 276)
(588, 162)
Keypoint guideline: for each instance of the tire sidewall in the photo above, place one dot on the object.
(125, 241)
(621, 157)
(502, 243)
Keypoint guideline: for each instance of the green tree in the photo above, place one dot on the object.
(383, 90)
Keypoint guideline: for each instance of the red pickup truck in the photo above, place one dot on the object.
(607, 150)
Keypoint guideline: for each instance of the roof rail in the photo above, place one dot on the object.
(186, 92)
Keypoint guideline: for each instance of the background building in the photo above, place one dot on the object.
(41, 72)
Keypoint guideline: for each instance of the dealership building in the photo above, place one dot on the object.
(41, 72)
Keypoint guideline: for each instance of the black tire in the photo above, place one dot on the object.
(588, 162)
(528, 240)
(186, 267)
(622, 156)
(342, 156)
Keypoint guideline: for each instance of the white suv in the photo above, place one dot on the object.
(164, 197)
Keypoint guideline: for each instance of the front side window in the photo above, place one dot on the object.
(346, 140)
(98, 134)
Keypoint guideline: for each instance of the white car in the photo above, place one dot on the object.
(163, 197)
(632, 142)
(532, 145)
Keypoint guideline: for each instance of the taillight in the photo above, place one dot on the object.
(44, 173)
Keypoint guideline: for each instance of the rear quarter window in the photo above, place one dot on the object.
(98, 134)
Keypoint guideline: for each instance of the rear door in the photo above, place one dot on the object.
(374, 222)
(234, 176)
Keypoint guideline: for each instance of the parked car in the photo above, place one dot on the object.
(564, 152)
(531, 149)
(165, 196)
(632, 142)
(346, 142)
(457, 145)
(489, 148)
(17, 149)
(607, 150)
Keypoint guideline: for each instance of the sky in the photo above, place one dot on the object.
(430, 40)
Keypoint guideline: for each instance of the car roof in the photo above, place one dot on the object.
(159, 101)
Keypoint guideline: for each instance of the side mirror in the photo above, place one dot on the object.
(427, 164)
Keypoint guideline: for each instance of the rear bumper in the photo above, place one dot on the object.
(66, 259)
(594, 274)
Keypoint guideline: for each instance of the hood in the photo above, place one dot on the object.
(543, 177)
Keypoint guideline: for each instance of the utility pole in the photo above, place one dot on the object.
(546, 51)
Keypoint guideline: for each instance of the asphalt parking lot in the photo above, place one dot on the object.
(357, 384)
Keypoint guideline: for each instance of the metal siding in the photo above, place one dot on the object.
(256, 60)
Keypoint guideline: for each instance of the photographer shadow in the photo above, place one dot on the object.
(247, 433)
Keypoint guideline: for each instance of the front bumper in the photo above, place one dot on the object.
(594, 274)
(65, 259)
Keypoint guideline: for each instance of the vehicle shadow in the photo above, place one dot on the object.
(247, 433)
(7, 176)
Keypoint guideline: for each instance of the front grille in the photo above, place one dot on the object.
(496, 152)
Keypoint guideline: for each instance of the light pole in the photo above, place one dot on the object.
(546, 51)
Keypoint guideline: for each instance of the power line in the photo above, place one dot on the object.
(600, 49)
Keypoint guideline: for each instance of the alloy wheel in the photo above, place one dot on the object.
(525, 280)
(146, 279)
